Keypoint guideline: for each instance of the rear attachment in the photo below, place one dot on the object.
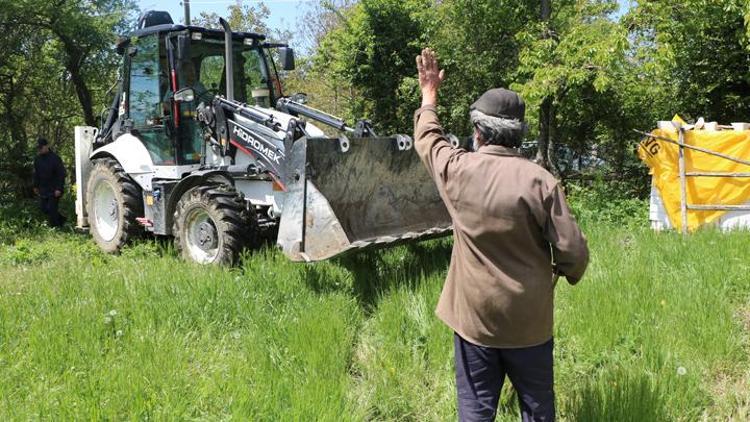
(350, 194)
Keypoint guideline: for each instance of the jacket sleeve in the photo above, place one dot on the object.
(434, 149)
(36, 173)
(60, 174)
(569, 247)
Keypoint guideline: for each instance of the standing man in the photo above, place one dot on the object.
(513, 236)
(49, 182)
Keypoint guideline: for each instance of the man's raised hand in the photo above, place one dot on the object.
(430, 76)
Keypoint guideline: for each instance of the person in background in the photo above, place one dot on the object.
(513, 236)
(49, 182)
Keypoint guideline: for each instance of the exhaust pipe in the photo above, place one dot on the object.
(228, 58)
(186, 3)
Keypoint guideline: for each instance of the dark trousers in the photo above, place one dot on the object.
(480, 373)
(49, 206)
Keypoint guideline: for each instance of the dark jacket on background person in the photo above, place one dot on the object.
(510, 223)
(49, 174)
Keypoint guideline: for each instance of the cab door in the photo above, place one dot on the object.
(148, 108)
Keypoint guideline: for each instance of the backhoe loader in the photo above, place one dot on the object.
(200, 143)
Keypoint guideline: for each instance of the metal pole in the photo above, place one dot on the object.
(683, 184)
(228, 59)
(186, 3)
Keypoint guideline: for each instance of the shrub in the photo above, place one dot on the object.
(603, 202)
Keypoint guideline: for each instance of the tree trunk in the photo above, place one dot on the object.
(18, 165)
(82, 90)
(542, 156)
(545, 147)
(551, 140)
(75, 59)
(546, 10)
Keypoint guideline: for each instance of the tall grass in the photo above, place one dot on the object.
(653, 332)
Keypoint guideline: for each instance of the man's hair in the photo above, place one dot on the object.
(498, 130)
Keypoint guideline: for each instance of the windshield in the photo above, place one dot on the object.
(201, 68)
(205, 73)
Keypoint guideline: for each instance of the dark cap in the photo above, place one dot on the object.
(40, 142)
(500, 102)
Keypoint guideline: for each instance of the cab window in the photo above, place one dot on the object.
(211, 72)
(147, 88)
(256, 78)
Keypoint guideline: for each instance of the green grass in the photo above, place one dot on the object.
(658, 330)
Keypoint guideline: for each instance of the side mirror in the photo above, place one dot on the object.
(184, 95)
(122, 44)
(286, 56)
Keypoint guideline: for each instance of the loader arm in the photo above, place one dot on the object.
(356, 191)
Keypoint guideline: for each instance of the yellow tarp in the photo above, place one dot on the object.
(662, 158)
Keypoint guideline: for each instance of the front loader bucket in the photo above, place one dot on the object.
(347, 194)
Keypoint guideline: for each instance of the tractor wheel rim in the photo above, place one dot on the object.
(106, 211)
(202, 238)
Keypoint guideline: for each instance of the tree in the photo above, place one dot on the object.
(569, 71)
(373, 50)
(56, 63)
(546, 144)
(241, 17)
(697, 51)
(84, 33)
(478, 46)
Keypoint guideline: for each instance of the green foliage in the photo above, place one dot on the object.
(373, 51)
(578, 60)
(608, 203)
(699, 50)
(579, 67)
(23, 252)
(56, 65)
(18, 219)
(248, 18)
(478, 46)
(603, 75)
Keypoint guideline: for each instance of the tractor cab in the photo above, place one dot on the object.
(168, 70)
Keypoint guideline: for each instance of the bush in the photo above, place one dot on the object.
(25, 252)
(20, 218)
(603, 202)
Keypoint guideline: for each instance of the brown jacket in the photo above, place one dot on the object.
(510, 223)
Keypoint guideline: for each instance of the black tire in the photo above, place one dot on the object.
(213, 226)
(114, 201)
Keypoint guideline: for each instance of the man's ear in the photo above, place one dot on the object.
(478, 137)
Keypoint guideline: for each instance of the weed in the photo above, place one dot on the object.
(24, 252)
(600, 204)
